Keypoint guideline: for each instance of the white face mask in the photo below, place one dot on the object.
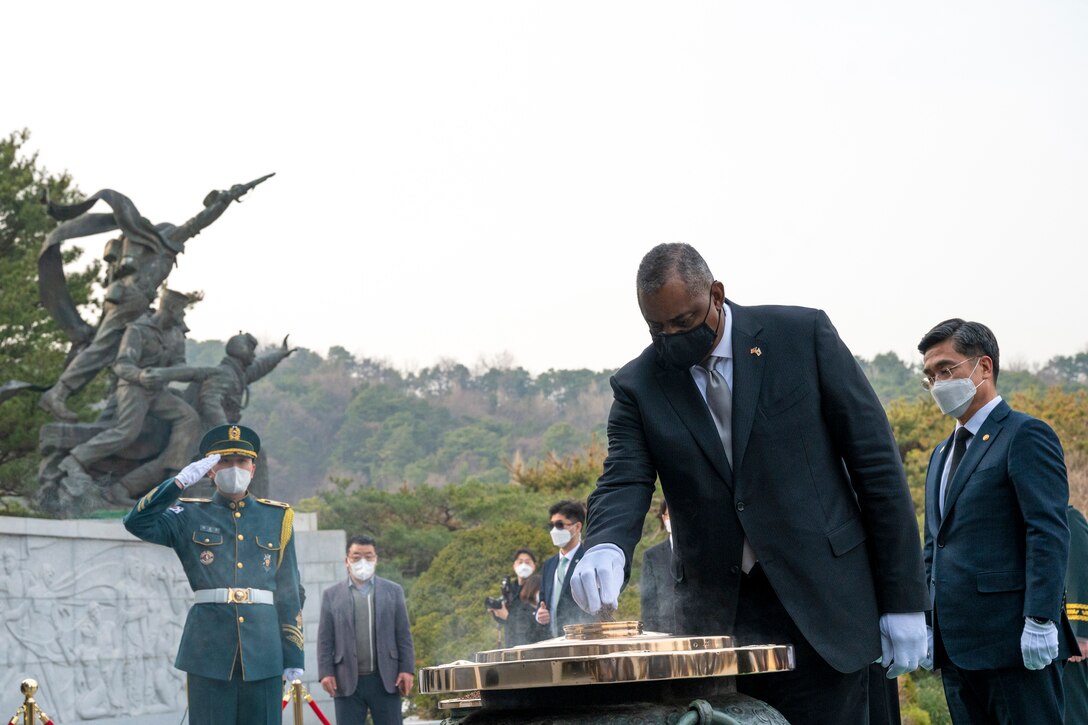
(668, 525)
(561, 537)
(523, 570)
(233, 480)
(954, 397)
(362, 569)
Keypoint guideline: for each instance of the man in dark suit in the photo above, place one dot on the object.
(557, 608)
(996, 540)
(657, 588)
(793, 518)
(365, 656)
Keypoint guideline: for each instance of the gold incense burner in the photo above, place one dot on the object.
(602, 663)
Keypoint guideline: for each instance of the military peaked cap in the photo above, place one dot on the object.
(230, 440)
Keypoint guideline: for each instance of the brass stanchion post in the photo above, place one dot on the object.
(296, 695)
(29, 711)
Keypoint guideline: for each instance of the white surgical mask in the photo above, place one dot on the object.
(954, 396)
(561, 537)
(362, 569)
(668, 525)
(523, 570)
(233, 480)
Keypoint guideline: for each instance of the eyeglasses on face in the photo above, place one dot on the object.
(942, 374)
(559, 525)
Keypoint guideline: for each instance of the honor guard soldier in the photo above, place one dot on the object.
(243, 636)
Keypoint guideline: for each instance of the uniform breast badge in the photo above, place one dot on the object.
(206, 557)
(266, 562)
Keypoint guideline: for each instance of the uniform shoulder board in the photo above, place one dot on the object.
(195, 500)
(270, 502)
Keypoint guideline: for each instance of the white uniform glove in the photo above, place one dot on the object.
(927, 661)
(196, 470)
(291, 674)
(903, 642)
(1038, 644)
(598, 577)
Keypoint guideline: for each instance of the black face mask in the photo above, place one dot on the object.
(681, 350)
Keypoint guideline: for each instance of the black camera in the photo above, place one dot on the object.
(497, 602)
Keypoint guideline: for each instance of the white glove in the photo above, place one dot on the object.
(902, 642)
(291, 674)
(598, 577)
(927, 661)
(1038, 644)
(196, 470)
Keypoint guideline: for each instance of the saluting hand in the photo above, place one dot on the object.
(196, 471)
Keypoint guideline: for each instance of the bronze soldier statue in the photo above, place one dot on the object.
(138, 264)
(222, 397)
(151, 355)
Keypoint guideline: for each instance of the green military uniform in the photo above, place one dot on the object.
(1075, 676)
(234, 650)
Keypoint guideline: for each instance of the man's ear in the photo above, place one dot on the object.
(987, 365)
(717, 293)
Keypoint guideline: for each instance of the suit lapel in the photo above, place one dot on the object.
(547, 586)
(347, 608)
(683, 395)
(979, 445)
(933, 487)
(570, 567)
(747, 378)
(380, 610)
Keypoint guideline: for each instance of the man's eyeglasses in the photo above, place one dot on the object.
(942, 374)
(558, 525)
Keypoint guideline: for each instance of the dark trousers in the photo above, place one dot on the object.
(999, 696)
(369, 694)
(1075, 685)
(883, 698)
(235, 701)
(814, 693)
(1004, 696)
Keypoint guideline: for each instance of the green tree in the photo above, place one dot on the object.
(572, 476)
(1066, 370)
(563, 438)
(890, 377)
(32, 346)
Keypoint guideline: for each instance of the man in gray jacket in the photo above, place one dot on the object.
(365, 656)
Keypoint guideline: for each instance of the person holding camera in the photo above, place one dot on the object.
(514, 609)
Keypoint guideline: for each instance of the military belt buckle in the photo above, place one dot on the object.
(238, 596)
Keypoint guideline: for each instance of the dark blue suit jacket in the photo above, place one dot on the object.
(999, 553)
(817, 485)
(657, 588)
(567, 611)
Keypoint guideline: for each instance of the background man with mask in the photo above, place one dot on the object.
(557, 608)
(996, 540)
(792, 517)
(365, 655)
(657, 588)
(243, 636)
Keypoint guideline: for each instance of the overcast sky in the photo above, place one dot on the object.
(467, 179)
